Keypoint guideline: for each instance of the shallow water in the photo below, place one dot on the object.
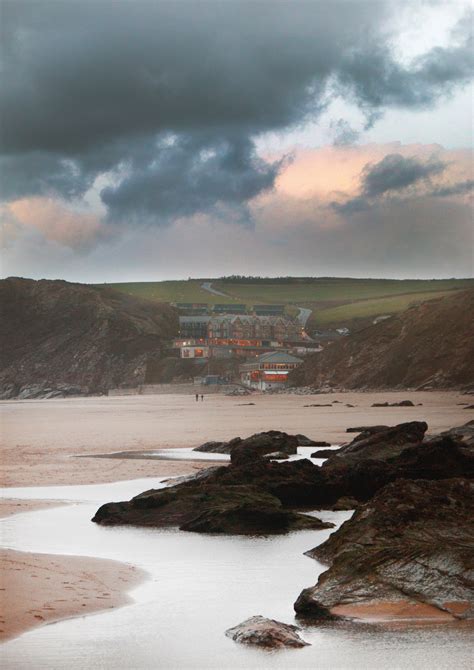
(199, 586)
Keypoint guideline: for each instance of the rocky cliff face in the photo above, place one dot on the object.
(58, 338)
(428, 346)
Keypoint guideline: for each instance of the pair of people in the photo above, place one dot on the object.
(197, 397)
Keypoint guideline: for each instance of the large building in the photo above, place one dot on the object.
(249, 327)
(269, 371)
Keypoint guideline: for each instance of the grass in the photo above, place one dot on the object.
(371, 308)
(333, 300)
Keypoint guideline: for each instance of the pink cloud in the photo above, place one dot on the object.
(57, 222)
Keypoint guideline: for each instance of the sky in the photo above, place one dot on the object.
(145, 140)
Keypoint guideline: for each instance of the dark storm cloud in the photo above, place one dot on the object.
(460, 188)
(90, 87)
(395, 172)
(193, 175)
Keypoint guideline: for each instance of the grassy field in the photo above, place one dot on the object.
(333, 301)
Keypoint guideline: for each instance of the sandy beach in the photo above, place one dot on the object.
(40, 588)
(43, 439)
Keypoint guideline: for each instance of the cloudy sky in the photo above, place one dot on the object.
(158, 140)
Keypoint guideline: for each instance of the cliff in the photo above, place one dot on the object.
(59, 338)
(427, 346)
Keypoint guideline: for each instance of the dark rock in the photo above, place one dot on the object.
(261, 444)
(193, 506)
(324, 453)
(402, 403)
(304, 441)
(464, 434)
(320, 444)
(214, 448)
(366, 429)
(469, 407)
(277, 455)
(254, 494)
(267, 633)
(384, 443)
(345, 504)
(315, 405)
(412, 544)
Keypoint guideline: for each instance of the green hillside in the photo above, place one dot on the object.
(333, 300)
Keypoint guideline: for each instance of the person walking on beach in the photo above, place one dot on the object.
(197, 397)
(202, 397)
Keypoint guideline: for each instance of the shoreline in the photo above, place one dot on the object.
(37, 589)
(42, 588)
(43, 450)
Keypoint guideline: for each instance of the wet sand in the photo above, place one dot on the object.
(10, 506)
(41, 438)
(39, 588)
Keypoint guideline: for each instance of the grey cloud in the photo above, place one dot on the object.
(395, 172)
(460, 188)
(390, 176)
(343, 132)
(377, 80)
(90, 87)
(190, 174)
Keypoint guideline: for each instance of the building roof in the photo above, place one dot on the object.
(278, 357)
(195, 319)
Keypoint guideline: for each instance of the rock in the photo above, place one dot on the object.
(257, 495)
(208, 508)
(469, 407)
(277, 455)
(402, 403)
(366, 429)
(410, 548)
(245, 404)
(304, 441)
(214, 448)
(324, 453)
(263, 632)
(261, 444)
(345, 504)
(382, 444)
(315, 405)
(463, 434)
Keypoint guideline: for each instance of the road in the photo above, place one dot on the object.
(303, 315)
(207, 286)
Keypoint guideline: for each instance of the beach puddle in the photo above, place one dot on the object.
(198, 586)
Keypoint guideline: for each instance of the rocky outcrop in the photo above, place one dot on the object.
(268, 633)
(384, 443)
(208, 507)
(401, 352)
(408, 551)
(258, 495)
(58, 338)
(260, 443)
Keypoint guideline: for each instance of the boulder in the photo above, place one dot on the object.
(194, 506)
(277, 455)
(384, 443)
(261, 444)
(268, 633)
(409, 551)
